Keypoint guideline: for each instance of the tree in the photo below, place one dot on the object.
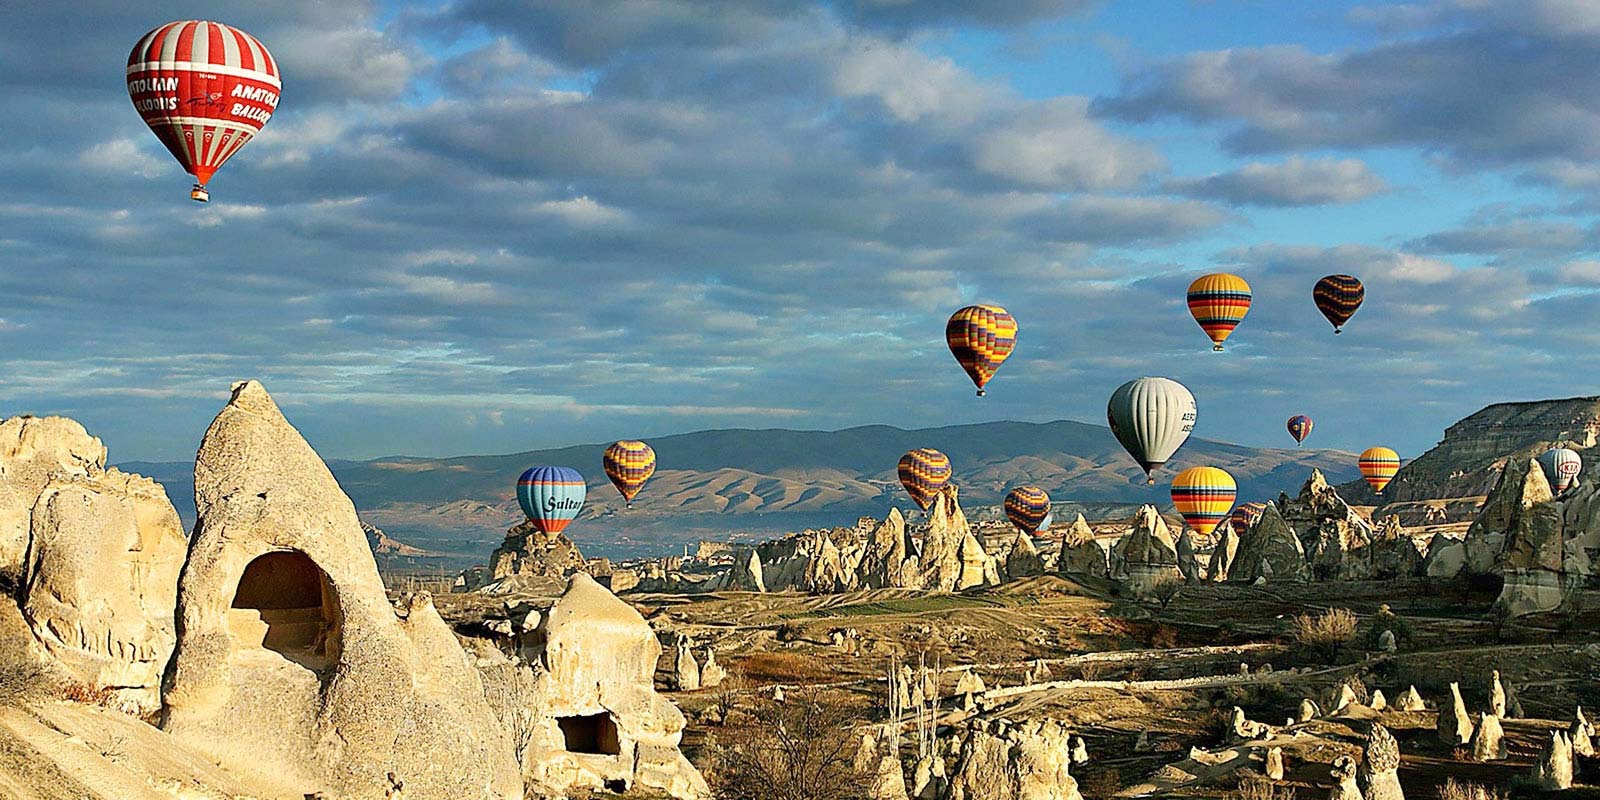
(797, 749)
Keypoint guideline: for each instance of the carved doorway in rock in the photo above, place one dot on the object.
(591, 733)
(286, 605)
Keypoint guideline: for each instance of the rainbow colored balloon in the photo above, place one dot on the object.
(924, 472)
(1299, 427)
(1219, 302)
(1246, 515)
(1027, 507)
(551, 496)
(981, 337)
(1378, 466)
(629, 464)
(1204, 496)
(1338, 297)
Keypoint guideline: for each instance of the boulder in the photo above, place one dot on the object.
(1308, 710)
(101, 581)
(1269, 549)
(290, 663)
(32, 450)
(1377, 702)
(1410, 700)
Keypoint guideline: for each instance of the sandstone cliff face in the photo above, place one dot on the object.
(1468, 460)
(290, 657)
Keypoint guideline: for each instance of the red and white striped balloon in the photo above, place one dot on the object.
(205, 89)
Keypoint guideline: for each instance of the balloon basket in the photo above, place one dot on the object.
(1216, 348)
(982, 393)
(199, 194)
(1337, 331)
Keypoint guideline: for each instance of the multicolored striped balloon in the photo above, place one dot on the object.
(1299, 427)
(1246, 515)
(981, 337)
(924, 472)
(1561, 466)
(1338, 297)
(1378, 466)
(551, 496)
(1219, 302)
(205, 90)
(1027, 507)
(629, 464)
(1204, 496)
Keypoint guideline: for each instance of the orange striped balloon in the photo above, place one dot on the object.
(1027, 507)
(1378, 466)
(1219, 302)
(924, 472)
(981, 337)
(1204, 496)
(629, 464)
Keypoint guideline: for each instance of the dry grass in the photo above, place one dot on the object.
(1324, 635)
(1461, 790)
(21, 677)
(762, 668)
(1255, 788)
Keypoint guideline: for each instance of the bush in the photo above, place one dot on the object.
(21, 677)
(1100, 783)
(1324, 635)
(794, 750)
(1460, 790)
(1165, 591)
(1258, 788)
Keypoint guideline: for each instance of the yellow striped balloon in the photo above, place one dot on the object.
(1378, 466)
(1219, 302)
(629, 464)
(924, 472)
(1027, 507)
(1204, 496)
(981, 337)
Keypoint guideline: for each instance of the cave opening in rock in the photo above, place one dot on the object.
(286, 604)
(591, 733)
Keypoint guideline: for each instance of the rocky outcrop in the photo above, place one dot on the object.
(1147, 554)
(1081, 554)
(1383, 765)
(290, 657)
(1534, 557)
(1393, 553)
(888, 559)
(1454, 726)
(1223, 553)
(101, 580)
(1188, 558)
(32, 450)
(1552, 771)
(1343, 772)
(997, 761)
(1488, 741)
(1270, 550)
(383, 544)
(1335, 539)
(533, 553)
(746, 575)
(1023, 560)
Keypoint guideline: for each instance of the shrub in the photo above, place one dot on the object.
(1324, 635)
(1100, 783)
(1165, 591)
(21, 677)
(1461, 790)
(1259, 788)
(794, 750)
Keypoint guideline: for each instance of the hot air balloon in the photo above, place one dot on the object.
(1561, 467)
(1027, 507)
(1219, 302)
(204, 89)
(1246, 515)
(980, 337)
(1378, 466)
(1299, 427)
(1338, 297)
(1151, 417)
(629, 464)
(924, 472)
(550, 496)
(1204, 496)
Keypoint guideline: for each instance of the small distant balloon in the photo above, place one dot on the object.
(1028, 507)
(1204, 496)
(205, 89)
(629, 464)
(1299, 427)
(1246, 515)
(924, 472)
(981, 337)
(1219, 302)
(1378, 466)
(1152, 418)
(1338, 297)
(1561, 466)
(551, 496)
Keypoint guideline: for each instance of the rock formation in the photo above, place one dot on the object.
(532, 553)
(1394, 554)
(1188, 561)
(289, 656)
(1273, 768)
(1080, 553)
(746, 575)
(1377, 702)
(998, 762)
(32, 449)
(888, 558)
(1308, 710)
(1410, 700)
(1497, 695)
(1343, 773)
(685, 670)
(1553, 769)
(1333, 537)
(1454, 726)
(1488, 741)
(1539, 570)
(712, 674)
(382, 544)
(1147, 555)
(1383, 765)
(1023, 560)
(1269, 549)
(1581, 734)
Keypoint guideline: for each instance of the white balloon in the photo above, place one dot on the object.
(1152, 418)
(1561, 467)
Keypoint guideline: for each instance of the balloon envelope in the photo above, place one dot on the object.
(1219, 302)
(1378, 466)
(1299, 427)
(1151, 417)
(1027, 507)
(550, 496)
(629, 464)
(205, 89)
(924, 472)
(1561, 467)
(981, 337)
(1338, 297)
(1204, 496)
(1246, 515)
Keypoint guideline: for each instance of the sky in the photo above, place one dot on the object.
(485, 226)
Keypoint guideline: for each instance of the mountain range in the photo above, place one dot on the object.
(716, 482)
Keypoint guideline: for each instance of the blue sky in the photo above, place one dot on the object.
(485, 226)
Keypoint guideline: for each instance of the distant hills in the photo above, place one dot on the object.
(726, 480)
